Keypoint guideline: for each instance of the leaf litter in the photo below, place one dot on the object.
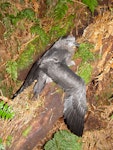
(98, 133)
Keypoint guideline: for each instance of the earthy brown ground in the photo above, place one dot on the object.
(98, 132)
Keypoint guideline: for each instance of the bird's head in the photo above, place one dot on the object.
(66, 42)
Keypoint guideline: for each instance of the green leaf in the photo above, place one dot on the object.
(42, 35)
(85, 71)
(0, 140)
(5, 107)
(64, 140)
(61, 9)
(11, 68)
(57, 31)
(14, 19)
(91, 4)
(2, 104)
(84, 52)
(8, 116)
(27, 13)
(37, 30)
(26, 57)
(6, 112)
(1, 112)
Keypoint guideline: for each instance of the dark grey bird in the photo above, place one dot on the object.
(62, 50)
(54, 64)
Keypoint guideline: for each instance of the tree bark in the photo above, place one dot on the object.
(42, 124)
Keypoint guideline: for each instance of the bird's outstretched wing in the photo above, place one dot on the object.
(75, 100)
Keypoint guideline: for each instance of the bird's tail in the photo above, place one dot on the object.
(74, 111)
(74, 122)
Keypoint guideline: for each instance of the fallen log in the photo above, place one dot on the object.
(28, 131)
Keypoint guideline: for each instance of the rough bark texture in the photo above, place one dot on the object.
(41, 125)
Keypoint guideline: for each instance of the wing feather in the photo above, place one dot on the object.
(74, 111)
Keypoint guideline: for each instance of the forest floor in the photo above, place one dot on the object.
(98, 131)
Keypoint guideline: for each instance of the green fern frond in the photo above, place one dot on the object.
(27, 13)
(91, 4)
(64, 140)
(84, 52)
(85, 68)
(42, 34)
(61, 8)
(26, 57)
(57, 31)
(6, 111)
(11, 68)
(62, 28)
(85, 72)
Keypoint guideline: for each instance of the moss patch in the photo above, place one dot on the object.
(85, 68)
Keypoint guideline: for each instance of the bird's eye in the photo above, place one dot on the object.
(56, 60)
